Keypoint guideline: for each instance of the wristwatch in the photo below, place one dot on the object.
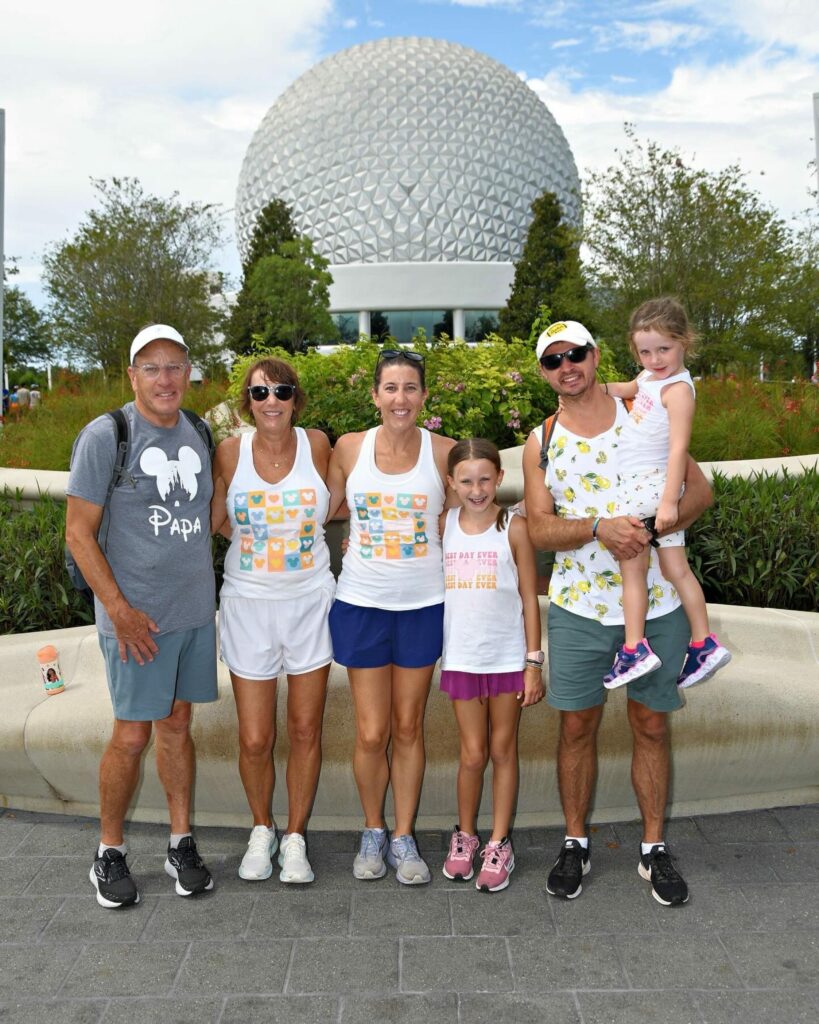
(535, 658)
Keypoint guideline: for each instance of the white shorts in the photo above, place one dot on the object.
(639, 494)
(260, 638)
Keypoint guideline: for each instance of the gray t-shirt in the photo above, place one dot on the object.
(158, 541)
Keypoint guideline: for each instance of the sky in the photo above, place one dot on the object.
(171, 91)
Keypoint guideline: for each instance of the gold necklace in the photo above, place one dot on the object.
(285, 452)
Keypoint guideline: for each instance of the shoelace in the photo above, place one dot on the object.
(492, 858)
(369, 844)
(405, 849)
(294, 850)
(662, 867)
(259, 842)
(188, 856)
(116, 868)
(571, 859)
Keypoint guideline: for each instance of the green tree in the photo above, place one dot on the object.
(25, 331)
(547, 273)
(292, 287)
(273, 228)
(803, 300)
(655, 226)
(134, 260)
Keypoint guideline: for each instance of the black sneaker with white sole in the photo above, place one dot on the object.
(187, 867)
(568, 871)
(667, 884)
(112, 880)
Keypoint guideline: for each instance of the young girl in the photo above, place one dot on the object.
(652, 458)
(491, 621)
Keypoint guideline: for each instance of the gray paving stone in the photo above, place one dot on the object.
(793, 862)
(756, 1007)
(515, 911)
(400, 912)
(399, 1009)
(183, 918)
(62, 876)
(566, 962)
(677, 962)
(34, 971)
(343, 965)
(162, 1011)
(293, 911)
(16, 873)
(24, 919)
(54, 1011)
(799, 822)
(82, 919)
(455, 965)
(67, 837)
(519, 1008)
(728, 863)
(783, 907)
(235, 967)
(281, 1010)
(742, 827)
(604, 910)
(638, 1008)
(125, 969)
(710, 908)
(12, 834)
(791, 960)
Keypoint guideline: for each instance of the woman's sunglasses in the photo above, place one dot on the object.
(574, 355)
(260, 392)
(400, 353)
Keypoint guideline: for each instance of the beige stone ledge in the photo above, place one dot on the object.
(746, 739)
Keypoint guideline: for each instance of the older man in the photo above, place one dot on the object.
(570, 491)
(152, 575)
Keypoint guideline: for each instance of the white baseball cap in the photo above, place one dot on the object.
(564, 330)
(156, 332)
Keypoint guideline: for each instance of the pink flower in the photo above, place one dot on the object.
(516, 377)
(433, 423)
(460, 386)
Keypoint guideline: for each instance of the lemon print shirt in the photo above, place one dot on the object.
(582, 476)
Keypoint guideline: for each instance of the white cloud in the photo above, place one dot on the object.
(756, 111)
(170, 94)
(561, 44)
(650, 35)
(791, 23)
(349, 23)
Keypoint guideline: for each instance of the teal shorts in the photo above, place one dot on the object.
(184, 668)
(581, 652)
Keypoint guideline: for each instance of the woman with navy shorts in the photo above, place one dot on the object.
(387, 619)
(271, 499)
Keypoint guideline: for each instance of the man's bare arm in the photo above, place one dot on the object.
(133, 628)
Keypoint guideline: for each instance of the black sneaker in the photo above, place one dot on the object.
(564, 878)
(112, 880)
(187, 867)
(667, 884)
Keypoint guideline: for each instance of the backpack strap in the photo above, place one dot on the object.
(202, 427)
(121, 429)
(546, 432)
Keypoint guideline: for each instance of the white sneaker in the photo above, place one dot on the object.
(257, 862)
(295, 867)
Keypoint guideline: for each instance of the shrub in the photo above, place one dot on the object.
(757, 545)
(35, 593)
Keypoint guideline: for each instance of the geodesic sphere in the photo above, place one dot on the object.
(408, 149)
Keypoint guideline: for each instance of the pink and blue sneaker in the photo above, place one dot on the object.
(702, 662)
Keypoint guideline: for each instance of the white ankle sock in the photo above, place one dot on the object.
(647, 847)
(176, 839)
(123, 849)
(583, 840)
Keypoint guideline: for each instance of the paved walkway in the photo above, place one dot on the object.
(744, 949)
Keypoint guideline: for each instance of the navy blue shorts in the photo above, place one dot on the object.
(372, 637)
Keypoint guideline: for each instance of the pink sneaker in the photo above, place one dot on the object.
(498, 864)
(462, 850)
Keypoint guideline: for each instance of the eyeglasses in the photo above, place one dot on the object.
(574, 355)
(400, 353)
(261, 392)
(153, 370)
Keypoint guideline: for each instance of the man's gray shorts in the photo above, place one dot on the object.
(581, 652)
(184, 668)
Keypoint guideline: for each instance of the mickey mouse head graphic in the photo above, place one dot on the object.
(171, 472)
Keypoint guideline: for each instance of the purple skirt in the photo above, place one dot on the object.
(469, 685)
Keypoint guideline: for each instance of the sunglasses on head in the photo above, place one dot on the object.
(260, 392)
(574, 355)
(400, 353)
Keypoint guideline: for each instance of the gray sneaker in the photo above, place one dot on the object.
(403, 855)
(369, 862)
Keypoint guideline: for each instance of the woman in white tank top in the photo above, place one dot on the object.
(271, 499)
(387, 620)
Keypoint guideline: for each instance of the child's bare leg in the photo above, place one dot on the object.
(504, 714)
(473, 725)
(635, 596)
(675, 568)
